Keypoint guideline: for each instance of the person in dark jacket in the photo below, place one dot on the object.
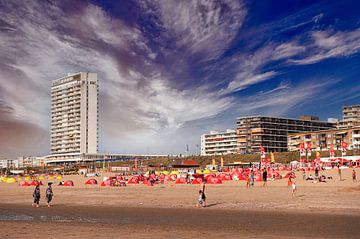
(36, 196)
(49, 194)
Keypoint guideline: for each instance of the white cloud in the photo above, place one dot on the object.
(331, 44)
(201, 26)
(245, 82)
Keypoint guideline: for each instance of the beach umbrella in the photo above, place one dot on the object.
(165, 172)
(41, 177)
(175, 172)
(59, 177)
(28, 178)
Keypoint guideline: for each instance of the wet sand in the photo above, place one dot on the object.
(321, 210)
(117, 222)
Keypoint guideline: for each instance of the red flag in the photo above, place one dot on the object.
(309, 146)
(262, 152)
(344, 145)
(332, 151)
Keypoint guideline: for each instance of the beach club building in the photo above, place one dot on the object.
(219, 143)
(272, 132)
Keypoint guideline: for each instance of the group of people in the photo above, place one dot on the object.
(37, 195)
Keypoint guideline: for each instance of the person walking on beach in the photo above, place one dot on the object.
(353, 175)
(264, 177)
(316, 172)
(252, 178)
(202, 196)
(293, 186)
(36, 196)
(49, 194)
(339, 172)
(248, 181)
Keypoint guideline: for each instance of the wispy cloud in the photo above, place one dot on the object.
(330, 44)
(200, 27)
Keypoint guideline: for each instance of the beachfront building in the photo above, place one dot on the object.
(351, 116)
(219, 143)
(272, 132)
(323, 140)
(74, 116)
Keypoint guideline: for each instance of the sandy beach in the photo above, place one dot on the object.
(319, 210)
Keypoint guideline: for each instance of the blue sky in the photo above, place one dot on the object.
(170, 70)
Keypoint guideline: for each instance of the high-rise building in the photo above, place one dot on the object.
(351, 116)
(74, 114)
(271, 132)
(218, 143)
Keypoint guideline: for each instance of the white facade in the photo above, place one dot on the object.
(219, 143)
(74, 114)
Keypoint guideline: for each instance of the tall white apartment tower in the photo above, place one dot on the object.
(74, 114)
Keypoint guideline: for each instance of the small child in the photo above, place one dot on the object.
(354, 175)
(293, 189)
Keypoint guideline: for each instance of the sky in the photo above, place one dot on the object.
(172, 70)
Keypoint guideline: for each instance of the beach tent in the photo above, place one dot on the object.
(224, 176)
(24, 183)
(171, 177)
(69, 183)
(35, 183)
(106, 183)
(181, 181)
(133, 180)
(213, 180)
(196, 181)
(290, 174)
(10, 180)
(91, 181)
(258, 177)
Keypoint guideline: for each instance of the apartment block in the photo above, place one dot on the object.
(74, 114)
(351, 116)
(272, 132)
(325, 139)
(219, 143)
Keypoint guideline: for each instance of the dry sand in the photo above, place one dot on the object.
(320, 210)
